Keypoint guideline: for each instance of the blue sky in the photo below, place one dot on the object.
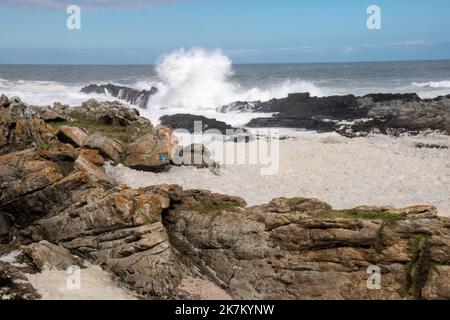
(249, 31)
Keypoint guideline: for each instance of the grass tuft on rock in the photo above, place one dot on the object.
(210, 207)
(355, 214)
(66, 167)
(125, 134)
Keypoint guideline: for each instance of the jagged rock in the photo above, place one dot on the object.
(30, 184)
(110, 112)
(4, 101)
(120, 229)
(133, 96)
(108, 147)
(151, 152)
(302, 249)
(18, 131)
(14, 285)
(47, 255)
(73, 135)
(93, 156)
(24, 172)
(351, 116)
(50, 115)
(92, 171)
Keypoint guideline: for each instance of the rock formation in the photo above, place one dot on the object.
(130, 95)
(58, 208)
(352, 116)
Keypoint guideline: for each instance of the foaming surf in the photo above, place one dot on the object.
(201, 80)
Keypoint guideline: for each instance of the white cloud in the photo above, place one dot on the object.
(349, 50)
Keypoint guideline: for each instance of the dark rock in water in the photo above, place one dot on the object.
(133, 96)
(351, 116)
(309, 124)
(386, 97)
(187, 122)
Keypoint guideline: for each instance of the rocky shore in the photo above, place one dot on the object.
(352, 116)
(59, 208)
(130, 95)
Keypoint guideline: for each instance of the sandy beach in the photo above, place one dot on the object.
(376, 170)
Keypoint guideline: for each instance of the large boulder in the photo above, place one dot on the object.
(92, 171)
(73, 135)
(108, 147)
(45, 255)
(151, 152)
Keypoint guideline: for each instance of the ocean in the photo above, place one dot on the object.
(199, 81)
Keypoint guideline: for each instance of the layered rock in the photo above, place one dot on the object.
(130, 95)
(302, 249)
(58, 207)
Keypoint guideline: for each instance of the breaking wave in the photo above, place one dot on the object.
(198, 80)
(433, 84)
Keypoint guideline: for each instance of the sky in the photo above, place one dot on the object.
(248, 31)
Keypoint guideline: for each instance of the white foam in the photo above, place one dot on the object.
(377, 170)
(433, 84)
(47, 92)
(95, 284)
(199, 80)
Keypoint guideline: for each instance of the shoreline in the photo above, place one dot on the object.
(375, 170)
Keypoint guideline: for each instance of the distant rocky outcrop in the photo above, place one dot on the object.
(130, 95)
(353, 116)
(187, 122)
(59, 208)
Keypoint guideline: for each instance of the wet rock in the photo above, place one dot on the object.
(133, 96)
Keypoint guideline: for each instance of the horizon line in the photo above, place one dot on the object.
(247, 63)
